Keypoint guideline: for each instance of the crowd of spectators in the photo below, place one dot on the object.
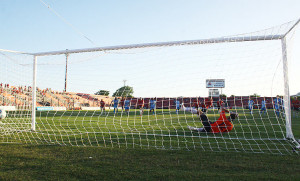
(21, 95)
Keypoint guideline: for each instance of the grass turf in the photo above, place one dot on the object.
(23, 162)
(46, 157)
(165, 130)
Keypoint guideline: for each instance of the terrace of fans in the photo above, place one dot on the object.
(21, 97)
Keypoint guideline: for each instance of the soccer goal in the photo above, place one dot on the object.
(155, 95)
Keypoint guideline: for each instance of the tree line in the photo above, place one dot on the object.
(125, 91)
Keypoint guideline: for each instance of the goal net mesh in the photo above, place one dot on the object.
(68, 110)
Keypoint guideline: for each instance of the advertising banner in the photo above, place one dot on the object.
(215, 83)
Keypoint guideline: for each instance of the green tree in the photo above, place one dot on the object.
(102, 92)
(255, 95)
(125, 91)
(223, 95)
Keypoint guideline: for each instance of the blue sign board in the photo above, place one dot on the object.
(44, 108)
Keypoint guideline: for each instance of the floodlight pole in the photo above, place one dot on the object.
(33, 113)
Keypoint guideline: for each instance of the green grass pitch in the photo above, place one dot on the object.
(120, 147)
(164, 130)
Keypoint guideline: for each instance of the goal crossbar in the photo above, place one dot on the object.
(161, 44)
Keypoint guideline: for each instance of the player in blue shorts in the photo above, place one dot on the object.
(250, 105)
(263, 107)
(278, 104)
(152, 106)
(177, 103)
(281, 105)
(116, 103)
(127, 106)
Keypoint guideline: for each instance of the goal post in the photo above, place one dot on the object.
(33, 114)
(156, 107)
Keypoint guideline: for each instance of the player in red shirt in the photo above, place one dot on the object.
(207, 103)
(202, 106)
(196, 104)
(102, 105)
(222, 125)
(122, 103)
(140, 105)
(220, 103)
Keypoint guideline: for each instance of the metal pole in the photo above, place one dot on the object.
(161, 44)
(286, 97)
(67, 56)
(34, 94)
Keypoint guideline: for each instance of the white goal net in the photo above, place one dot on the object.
(155, 91)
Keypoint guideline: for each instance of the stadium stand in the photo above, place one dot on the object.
(21, 97)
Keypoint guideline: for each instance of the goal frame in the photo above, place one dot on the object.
(289, 133)
(229, 39)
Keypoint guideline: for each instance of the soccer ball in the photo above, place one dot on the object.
(2, 114)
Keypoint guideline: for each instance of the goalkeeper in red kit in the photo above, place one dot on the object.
(222, 125)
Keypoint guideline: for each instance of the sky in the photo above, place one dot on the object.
(30, 26)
